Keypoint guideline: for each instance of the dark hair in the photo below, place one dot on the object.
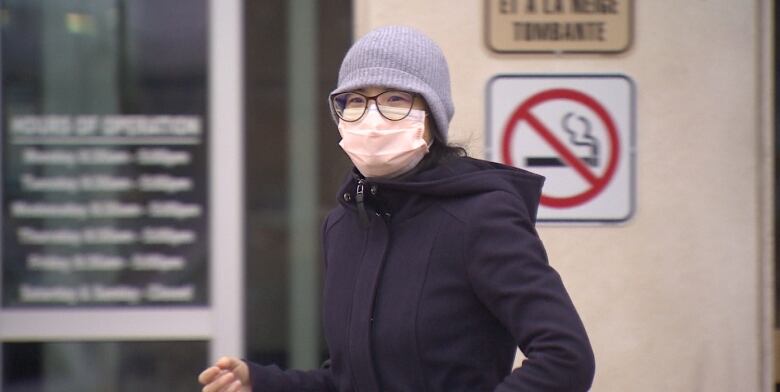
(440, 152)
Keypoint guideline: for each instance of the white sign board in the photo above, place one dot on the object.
(575, 130)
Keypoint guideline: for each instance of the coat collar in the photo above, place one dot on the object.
(409, 194)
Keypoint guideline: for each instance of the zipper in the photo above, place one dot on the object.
(360, 201)
(372, 318)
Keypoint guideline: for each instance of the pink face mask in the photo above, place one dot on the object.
(382, 148)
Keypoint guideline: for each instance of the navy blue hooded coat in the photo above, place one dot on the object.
(436, 286)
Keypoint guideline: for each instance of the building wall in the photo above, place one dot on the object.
(675, 299)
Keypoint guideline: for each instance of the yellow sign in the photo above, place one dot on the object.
(558, 25)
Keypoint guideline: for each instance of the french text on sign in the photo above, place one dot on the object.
(577, 131)
(558, 26)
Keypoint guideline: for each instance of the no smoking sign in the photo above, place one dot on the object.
(575, 130)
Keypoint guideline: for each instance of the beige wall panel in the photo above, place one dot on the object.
(671, 299)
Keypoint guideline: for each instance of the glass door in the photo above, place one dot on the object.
(121, 246)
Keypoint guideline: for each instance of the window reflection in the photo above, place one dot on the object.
(104, 156)
(266, 161)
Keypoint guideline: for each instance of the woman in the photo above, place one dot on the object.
(434, 273)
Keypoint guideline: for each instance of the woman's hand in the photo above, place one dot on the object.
(227, 375)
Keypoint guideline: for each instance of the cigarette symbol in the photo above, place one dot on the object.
(581, 138)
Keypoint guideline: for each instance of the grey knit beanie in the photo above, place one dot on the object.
(402, 58)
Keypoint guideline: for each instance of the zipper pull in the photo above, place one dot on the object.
(361, 206)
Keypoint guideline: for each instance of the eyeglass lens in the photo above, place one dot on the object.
(393, 105)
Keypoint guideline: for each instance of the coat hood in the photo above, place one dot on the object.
(457, 177)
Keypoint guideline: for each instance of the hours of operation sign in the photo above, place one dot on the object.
(577, 131)
(104, 210)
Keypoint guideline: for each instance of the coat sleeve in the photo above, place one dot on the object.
(510, 274)
(271, 378)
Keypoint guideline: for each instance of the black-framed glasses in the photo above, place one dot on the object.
(393, 105)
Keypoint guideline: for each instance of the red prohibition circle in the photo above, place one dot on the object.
(523, 112)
